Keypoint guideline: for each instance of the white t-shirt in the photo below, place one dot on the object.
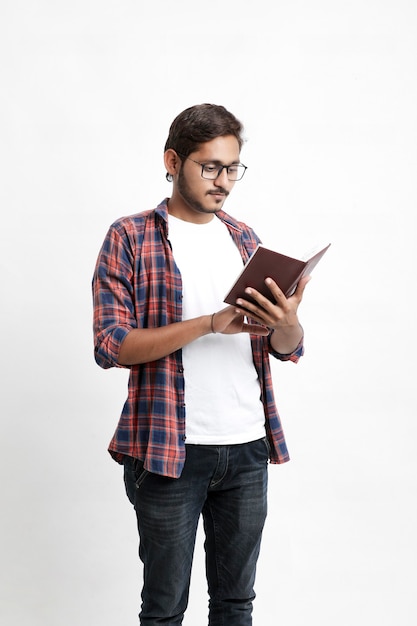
(222, 391)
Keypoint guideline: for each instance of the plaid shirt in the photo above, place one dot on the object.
(136, 284)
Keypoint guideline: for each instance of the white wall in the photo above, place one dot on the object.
(328, 94)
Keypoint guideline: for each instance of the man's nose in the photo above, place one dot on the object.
(222, 180)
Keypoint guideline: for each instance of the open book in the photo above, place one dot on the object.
(284, 270)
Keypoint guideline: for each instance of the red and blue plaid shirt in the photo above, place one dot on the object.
(136, 284)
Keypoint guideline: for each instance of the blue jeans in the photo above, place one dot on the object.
(227, 485)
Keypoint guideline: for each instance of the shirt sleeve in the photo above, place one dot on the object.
(113, 301)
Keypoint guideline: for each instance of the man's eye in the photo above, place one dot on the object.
(209, 168)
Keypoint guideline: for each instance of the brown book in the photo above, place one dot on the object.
(284, 270)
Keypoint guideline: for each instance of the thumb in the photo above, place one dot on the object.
(255, 329)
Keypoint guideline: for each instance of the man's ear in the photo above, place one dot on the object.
(172, 162)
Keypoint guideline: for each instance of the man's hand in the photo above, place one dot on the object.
(230, 321)
(280, 316)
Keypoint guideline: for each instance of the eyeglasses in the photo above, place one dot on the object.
(211, 171)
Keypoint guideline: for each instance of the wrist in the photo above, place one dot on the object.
(208, 322)
(286, 339)
(212, 324)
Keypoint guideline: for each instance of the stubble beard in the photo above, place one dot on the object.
(188, 196)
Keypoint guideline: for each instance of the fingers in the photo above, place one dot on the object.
(301, 286)
(255, 329)
(261, 302)
(274, 289)
(280, 296)
(224, 318)
(231, 320)
(273, 315)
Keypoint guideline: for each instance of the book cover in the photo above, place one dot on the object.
(286, 271)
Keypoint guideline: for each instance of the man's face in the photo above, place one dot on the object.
(199, 194)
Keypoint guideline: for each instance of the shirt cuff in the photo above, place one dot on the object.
(107, 351)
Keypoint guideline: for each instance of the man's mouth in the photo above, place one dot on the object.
(221, 193)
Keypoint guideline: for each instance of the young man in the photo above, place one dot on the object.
(200, 420)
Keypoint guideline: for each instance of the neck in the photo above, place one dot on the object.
(184, 212)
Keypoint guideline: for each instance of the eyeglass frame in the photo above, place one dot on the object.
(219, 170)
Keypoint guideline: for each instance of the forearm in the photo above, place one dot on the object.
(143, 345)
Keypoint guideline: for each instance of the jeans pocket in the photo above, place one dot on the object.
(134, 475)
(267, 446)
(140, 477)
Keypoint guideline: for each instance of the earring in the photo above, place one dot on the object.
(169, 177)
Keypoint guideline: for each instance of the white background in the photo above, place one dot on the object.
(327, 91)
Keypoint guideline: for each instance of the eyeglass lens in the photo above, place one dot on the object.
(234, 172)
